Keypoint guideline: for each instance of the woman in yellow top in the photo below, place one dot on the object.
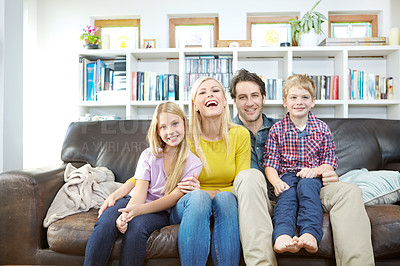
(224, 149)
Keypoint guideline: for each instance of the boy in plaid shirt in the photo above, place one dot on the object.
(298, 150)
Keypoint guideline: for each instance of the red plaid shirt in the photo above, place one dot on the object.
(285, 152)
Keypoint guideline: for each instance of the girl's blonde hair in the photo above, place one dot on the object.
(157, 144)
(301, 81)
(195, 130)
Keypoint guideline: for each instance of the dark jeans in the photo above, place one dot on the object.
(299, 206)
(133, 248)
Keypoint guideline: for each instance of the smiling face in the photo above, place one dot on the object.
(210, 99)
(171, 129)
(249, 101)
(298, 102)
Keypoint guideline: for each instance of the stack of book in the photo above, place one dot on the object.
(273, 88)
(353, 41)
(215, 66)
(327, 87)
(150, 86)
(367, 86)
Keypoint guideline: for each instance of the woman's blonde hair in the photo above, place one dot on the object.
(302, 81)
(157, 144)
(195, 130)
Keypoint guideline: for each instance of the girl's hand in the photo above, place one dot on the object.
(189, 184)
(280, 187)
(308, 173)
(131, 211)
(121, 225)
(107, 203)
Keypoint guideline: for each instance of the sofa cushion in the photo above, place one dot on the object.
(378, 187)
(70, 235)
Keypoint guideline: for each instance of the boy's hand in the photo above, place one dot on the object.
(280, 187)
(308, 173)
(121, 225)
(107, 203)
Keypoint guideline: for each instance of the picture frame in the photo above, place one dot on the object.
(149, 43)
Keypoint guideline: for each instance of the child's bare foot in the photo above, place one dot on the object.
(309, 243)
(285, 243)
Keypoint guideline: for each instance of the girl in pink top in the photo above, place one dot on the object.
(136, 210)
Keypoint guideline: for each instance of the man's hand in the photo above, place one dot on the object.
(280, 187)
(329, 177)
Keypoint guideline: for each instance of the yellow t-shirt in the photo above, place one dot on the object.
(223, 168)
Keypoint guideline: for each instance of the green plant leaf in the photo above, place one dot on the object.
(315, 6)
(320, 15)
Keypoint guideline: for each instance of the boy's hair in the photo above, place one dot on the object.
(302, 81)
(195, 130)
(157, 144)
(244, 75)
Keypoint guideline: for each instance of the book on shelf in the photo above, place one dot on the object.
(353, 41)
(369, 86)
(91, 82)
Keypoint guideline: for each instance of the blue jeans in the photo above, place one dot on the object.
(300, 202)
(193, 211)
(133, 247)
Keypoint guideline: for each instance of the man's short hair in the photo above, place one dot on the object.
(244, 75)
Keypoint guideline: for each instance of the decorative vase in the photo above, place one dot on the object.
(310, 38)
(88, 45)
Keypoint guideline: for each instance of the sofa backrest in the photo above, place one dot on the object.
(115, 144)
(366, 143)
(360, 143)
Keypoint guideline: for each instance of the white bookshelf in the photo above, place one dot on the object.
(274, 62)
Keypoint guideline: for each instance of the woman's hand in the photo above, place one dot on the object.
(189, 184)
(280, 187)
(110, 201)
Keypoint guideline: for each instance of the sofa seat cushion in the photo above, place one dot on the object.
(70, 235)
(385, 228)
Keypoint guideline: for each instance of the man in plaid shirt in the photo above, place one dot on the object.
(298, 150)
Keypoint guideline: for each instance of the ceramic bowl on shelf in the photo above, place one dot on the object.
(91, 46)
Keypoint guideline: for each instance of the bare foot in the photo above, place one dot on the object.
(309, 243)
(284, 243)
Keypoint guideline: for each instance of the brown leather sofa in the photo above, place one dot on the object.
(25, 195)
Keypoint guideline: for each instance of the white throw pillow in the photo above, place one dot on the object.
(378, 187)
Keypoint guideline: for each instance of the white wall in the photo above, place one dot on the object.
(51, 88)
(11, 84)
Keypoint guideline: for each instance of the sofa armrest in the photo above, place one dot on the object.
(25, 196)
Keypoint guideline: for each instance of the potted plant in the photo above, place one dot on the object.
(306, 31)
(91, 41)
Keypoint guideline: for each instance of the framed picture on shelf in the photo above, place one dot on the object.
(149, 43)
